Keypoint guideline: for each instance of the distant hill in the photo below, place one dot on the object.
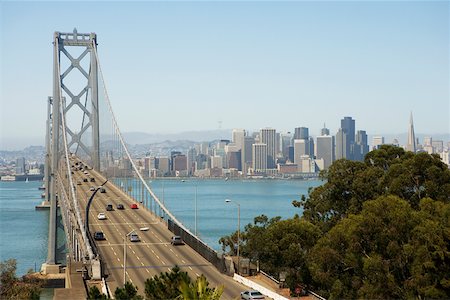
(140, 138)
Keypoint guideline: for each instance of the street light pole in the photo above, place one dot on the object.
(239, 229)
(125, 256)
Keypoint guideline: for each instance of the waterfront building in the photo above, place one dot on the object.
(247, 154)
(163, 165)
(260, 156)
(20, 166)
(325, 150)
(216, 162)
(268, 137)
(191, 156)
(411, 144)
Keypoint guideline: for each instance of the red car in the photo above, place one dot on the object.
(134, 206)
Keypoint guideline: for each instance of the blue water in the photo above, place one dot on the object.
(23, 230)
(215, 218)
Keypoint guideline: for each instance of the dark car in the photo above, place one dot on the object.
(176, 240)
(102, 190)
(98, 235)
(120, 206)
(92, 179)
(109, 207)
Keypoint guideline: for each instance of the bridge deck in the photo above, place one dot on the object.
(153, 254)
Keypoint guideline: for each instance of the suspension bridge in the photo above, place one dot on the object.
(87, 172)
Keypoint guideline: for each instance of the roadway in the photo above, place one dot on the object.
(153, 254)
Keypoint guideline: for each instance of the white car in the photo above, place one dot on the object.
(252, 294)
(101, 216)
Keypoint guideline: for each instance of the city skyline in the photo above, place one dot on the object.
(202, 66)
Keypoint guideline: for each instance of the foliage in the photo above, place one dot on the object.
(387, 171)
(165, 285)
(128, 292)
(94, 294)
(376, 229)
(27, 287)
(199, 290)
(389, 250)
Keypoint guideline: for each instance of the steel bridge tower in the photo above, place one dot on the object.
(63, 43)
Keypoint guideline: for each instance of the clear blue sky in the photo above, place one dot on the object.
(177, 66)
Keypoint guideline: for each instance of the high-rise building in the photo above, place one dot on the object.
(163, 165)
(411, 145)
(259, 164)
(268, 137)
(325, 130)
(348, 126)
(237, 138)
(20, 165)
(361, 147)
(301, 149)
(325, 149)
(342, 145)
(377, 141)
(438, 146)
(301, 133)
(285, 142)
(246, 153)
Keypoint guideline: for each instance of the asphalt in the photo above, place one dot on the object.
(153, 254)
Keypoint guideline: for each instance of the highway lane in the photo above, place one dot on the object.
(154, 253)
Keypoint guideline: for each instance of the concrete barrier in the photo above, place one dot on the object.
(258, 287)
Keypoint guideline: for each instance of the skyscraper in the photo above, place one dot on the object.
(377, 141)
(237, 138)
(411, 145)
(301, 133)
(325, 149)
(342, 145)
(361, 148)
(259, 158)
(268, 137)
(325, 130)
(348, 127)
(246, 153)
(301, 148)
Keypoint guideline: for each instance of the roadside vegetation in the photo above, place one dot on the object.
(12, 287)
(167, 285)
(376, 229)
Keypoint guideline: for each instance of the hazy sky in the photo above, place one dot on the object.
(176, 66)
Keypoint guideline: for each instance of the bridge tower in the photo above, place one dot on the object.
(63, 45)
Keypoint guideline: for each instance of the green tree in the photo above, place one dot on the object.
(389, 250)
(94, 294)
(11, 287)
(199, 290)
(128, 292)
(387, 171)
(165, 285)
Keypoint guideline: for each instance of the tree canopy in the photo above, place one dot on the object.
(375, 229)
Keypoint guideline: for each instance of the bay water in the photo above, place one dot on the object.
(24, 231)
